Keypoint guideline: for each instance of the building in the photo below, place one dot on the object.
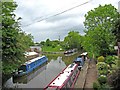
(37, 49)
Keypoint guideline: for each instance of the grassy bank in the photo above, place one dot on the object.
(51, 49)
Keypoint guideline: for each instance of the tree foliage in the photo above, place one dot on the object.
(73, 40)
(99, 22)
(116, 29)
(14, 41)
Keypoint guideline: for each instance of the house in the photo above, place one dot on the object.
(37, 49)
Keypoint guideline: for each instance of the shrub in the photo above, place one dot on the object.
(101, 59)
(110, 60)
(114, 79)
(103, 72)
(104, 87)
(95, 86)
(102, 79)
(102, 66)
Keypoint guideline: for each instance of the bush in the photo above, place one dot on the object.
(103, 72)
(114, 79)
(101, 59)
(104, 87)
(102, 66)
(95, 86)
(102, 79)
(110, 60)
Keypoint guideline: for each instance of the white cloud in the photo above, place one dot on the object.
(34, 10)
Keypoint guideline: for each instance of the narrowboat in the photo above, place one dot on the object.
(65, 79)
(84, 55)
(68, 52)
(79, 60)
(30, 65)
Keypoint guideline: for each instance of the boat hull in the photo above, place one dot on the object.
(19, 74)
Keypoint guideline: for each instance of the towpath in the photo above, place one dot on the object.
(87, 76)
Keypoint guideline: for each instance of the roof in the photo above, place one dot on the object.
(35, 47)
(63, 76)
(78, 59)
(33, 60)
(85, 53)
(30, 53)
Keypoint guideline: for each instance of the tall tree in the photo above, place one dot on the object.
(12, 36)
(116, 29)
(99, 23)
(73, 40)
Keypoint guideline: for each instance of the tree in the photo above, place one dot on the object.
(25, 40)
(42, 43)
(99, 22)
(116, 30)
(73, 40)
(48, 42)
(14, 41)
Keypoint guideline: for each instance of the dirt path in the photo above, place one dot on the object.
(87, 76)
(91, 75)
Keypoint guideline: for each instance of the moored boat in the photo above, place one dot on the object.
(30, 65)
(65, 79)
(79, 60)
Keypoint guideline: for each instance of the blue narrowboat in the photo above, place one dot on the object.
(79, 60)
(30, 65)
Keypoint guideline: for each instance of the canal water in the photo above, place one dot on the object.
(42, 75)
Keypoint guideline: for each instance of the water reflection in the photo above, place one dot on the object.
(25, 79)
(39, 78)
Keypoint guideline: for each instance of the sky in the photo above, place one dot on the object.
(37, 17)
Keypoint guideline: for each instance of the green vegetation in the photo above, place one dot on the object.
(73, 40)
(99, 39)
(51, 49)
(116, 30)
(100, 59)
(108, 71)
(102, 32)
(102, 79)
(103, 25)
(14, 41)
(51, 46)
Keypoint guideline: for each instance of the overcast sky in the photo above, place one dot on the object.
(32, 11)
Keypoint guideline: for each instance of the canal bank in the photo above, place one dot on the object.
(43, 75)
(87, 76)
(82, 76)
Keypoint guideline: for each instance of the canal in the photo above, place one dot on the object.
(42, 76)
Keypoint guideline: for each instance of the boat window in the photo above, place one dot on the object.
(28, 66)
(73, 77)
(23, 67)
(69, 83)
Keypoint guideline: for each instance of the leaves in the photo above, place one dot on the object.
(99, 22)
(73, 40)
(14, 41)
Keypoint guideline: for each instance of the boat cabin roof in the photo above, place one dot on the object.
(63, 75)
(30, 53)
(33, 60)
(85, 53)
(78, 59)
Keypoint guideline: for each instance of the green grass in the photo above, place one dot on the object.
(51, 49)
